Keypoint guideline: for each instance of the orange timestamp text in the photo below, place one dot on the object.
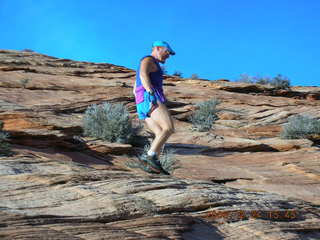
(236, 215)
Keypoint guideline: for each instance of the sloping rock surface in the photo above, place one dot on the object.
(238, 181)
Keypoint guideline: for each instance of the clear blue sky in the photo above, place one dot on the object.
(213, 38)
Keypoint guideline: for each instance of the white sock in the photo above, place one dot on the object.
(151, 153)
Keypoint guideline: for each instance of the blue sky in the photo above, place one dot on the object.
(212, 38)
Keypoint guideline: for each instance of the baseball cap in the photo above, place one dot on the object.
(163, 44)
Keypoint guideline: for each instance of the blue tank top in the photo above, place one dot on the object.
(156, 78)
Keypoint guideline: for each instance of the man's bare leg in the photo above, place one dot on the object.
(156, 129)
(164, 127)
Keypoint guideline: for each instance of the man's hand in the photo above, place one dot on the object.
(152, 98)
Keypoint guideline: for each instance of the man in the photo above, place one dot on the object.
(150, 101)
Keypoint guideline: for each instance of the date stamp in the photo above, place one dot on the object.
(238, 215)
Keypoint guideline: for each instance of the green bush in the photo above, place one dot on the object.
(279, 81)
(205, 116)
(110, 122)
(300, 126)
(4, 145)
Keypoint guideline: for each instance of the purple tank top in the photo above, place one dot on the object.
(156, 79)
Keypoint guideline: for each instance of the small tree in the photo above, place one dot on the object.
(109, 122)
(205, 116)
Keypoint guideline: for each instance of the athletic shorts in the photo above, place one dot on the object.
(148, 104)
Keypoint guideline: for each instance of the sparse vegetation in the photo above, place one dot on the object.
(279, 81)
(245, 78)
(300, 126)
(166, 158)
(177, 74)
(27, 50)
(24, 82)
(136, 204)
(205, 116)
(4, 145)
(108, 121)
(194, 76)
(168, 161)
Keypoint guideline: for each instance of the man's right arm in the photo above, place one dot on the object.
(145, 68)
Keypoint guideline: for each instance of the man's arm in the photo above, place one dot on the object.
(147, 66)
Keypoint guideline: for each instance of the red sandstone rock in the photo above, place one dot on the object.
(56, 186)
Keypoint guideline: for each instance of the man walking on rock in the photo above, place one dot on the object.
(150, 101)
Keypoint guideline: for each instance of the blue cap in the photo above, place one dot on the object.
(163, 44)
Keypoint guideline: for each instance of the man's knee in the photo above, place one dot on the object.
(168, 130)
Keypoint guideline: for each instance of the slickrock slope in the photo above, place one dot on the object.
(239, 181)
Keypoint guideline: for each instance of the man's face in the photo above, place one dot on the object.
(164, 54)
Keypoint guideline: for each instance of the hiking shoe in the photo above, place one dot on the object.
(154, 163)
(140, 164)
(157, 161)
(151, 161)
(147, 168)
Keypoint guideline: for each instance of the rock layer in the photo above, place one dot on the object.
(238, 181)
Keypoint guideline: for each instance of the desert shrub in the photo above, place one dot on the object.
(168, 161)
(279, 81)
(300, 126)
(4, 145)
(108, 121)
(205, 116)
(177, 74)
(245, 78)
(194, 76)
(262, 80)
(27, 50)
(24, 82)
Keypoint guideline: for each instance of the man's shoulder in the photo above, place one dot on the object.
(147, 59)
